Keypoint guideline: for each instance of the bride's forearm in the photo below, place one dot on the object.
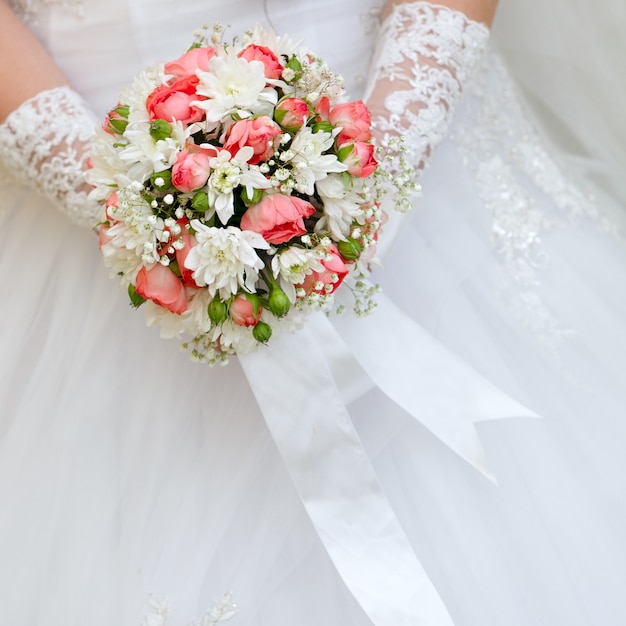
(478, 10)
(25, 67)
(46, 128)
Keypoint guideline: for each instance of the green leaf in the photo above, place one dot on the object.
(135, 299)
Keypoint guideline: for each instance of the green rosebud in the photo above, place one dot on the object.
(123, 110)
(350, 249)
(117, 125)
(162, 180)
(117, 119)
(326, 127)
(200, 201)
(262, 332)
(135, 299)
(257, 194)
(278, 302)
(218, 311)
(160, 129)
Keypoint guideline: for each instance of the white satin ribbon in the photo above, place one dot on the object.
(310, 424)
(426, 379)
(315, 436)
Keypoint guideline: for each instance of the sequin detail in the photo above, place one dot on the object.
(28, 9)
(516, 178)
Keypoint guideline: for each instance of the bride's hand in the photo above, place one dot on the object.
(477, 10)
(425, 53)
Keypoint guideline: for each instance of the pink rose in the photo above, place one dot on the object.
(191, 170)
(173, 101)
(163, 287)
(323, 109)
(277, 217)
(273, 67)
(332, 276)
(292, 114)
(359, 158)
(116, 120)
(261, 134)
(103, 237)
(181, 256)
(242, 311)
(355, 121)
(194, 59)
(112, 202)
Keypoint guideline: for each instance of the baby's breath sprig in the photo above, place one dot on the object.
(395, 171)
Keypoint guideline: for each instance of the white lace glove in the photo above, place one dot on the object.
(424, 55)
(45, 145)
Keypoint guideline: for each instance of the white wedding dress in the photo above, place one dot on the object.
(132, 479)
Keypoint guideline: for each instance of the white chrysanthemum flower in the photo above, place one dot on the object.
(228, 173)
(224, 259)
(341, 205)
(108, 169)
(236, 338)
(169, 324)
(136, 95)
(292, 265)
(132, 241)
(144, 156)
(234, 86)
(309, 161)
(193, 322)
(278, 44)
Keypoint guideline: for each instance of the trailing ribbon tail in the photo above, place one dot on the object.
(426, 379)
(337, 484)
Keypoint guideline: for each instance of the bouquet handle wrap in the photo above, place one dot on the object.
(332, 473)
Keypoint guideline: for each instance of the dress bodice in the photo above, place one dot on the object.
(102, 45)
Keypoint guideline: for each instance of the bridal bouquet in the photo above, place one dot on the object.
(239, 191)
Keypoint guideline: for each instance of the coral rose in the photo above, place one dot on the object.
(174, 101)
(261, 134)
(181, 255)
(163, 287)
(191, 170)
(359, 158)
(245, 311)
(292, 113)
(278, 218)
(355, 121)
(188, 63)
(273, 66)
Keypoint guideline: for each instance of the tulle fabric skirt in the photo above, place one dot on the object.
(128, 472)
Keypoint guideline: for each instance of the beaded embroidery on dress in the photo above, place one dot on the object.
(27, 9)
(502, 150)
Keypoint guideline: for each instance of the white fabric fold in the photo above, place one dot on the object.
(317, 441)
(426, 379)
(313, 431)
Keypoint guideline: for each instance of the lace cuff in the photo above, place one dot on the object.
(424, 55)
(45, 145)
